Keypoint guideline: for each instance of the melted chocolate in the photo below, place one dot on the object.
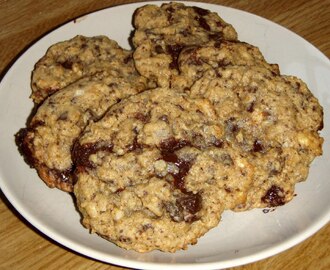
(174, 51)
(191, 203)
(201, 11)
(168, 148)
(21, 140)
(203, 23)
(274, 196)
(188, 204)
(81, 153)
(185, 208)
(142, 117)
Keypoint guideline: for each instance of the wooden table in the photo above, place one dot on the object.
(24, 21)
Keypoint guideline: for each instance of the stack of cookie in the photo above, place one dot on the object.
(157, 142)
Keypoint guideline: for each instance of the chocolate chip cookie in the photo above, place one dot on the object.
(156, 173)
(193, 61)
(162, 32)
(70, 60)
(49, 137)
(273, 120)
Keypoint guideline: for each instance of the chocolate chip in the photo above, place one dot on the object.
(170, 9)
(142, 117)
(22, 142)
(174, 211)
(191, 203)
(258, 146)
(67, 64)
(219, 24)
(185, 207)
(174, 51)
(81, 153)
(159, 49)
(203, 23)
(168, 148)
(274, 196)
(228, 190)
(321, 125)
(183, 167)
(201, 11)
(250, 107)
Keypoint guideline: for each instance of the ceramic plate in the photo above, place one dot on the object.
(241, 237)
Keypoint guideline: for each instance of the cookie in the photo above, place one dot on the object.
(272, 120)
(48, 139)
(68, 61)
(176, 23)
(162, 32)
(155, 172)
(193, 61)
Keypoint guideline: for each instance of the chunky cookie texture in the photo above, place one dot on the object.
(69, 61)
(194, 61)
(157, 142)
(272, 120)
(162, 32)
(156, 173)
(58, 122)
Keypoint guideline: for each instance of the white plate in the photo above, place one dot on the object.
(241, 237)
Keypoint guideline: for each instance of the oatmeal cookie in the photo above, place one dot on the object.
(49, 137)
(273, 120)
(68, 61)
(162, 32)
(193, 61)
(156, 173)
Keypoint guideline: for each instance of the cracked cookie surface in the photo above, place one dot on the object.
(68, 61)
(48, 139)
(162, 32)
(155, 173)
(273, 120)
